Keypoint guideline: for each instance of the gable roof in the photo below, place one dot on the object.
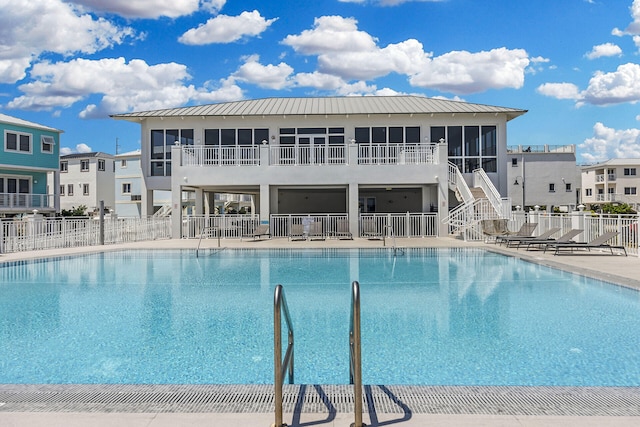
(19, 122)
(328, 106)
(92, 154)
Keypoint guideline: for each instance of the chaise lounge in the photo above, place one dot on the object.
(544, 243)
(599, 242)
(516, 241)
(261, 230)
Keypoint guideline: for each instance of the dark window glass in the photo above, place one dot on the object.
(287, 140)
(455, 140)
(336, 130)
(514, 162)
(12, 185)
(25, 143)
(395, 135)
(304, 140)
(157, 144)
(379, 135)
(471, 141)
(168, 168)
(244, 137)
(260, 135)
(157, 168)
(186, 136)
(470, 164)
(489, 140)
(458, 163)
(287, 131)
(228, 137)
(171, 137)
(412, 135)
(309, 131)
(336, 139)
(12, 141)
(437, 133)
(211, 137)
(23, 185)
(362, 135)
(490, 165)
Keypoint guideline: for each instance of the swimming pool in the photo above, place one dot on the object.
(429, 317)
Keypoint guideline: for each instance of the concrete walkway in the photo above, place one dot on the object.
(618, 269)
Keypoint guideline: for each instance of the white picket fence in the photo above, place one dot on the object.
(34, 233)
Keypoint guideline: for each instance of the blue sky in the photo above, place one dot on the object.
(574, 64)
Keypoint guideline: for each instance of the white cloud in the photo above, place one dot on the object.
(226, 29)
(266, 76)
(152, 8)
(124, 86)
(617, 87)
(464, 72)
(331, 34)
(80, 148)
(28, 29)
(606, 49)
(348, 53)
(560, 90)
(608, 143)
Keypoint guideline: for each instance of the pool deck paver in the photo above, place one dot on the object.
(618, 269)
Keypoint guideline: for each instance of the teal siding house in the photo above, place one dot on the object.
(29, 167)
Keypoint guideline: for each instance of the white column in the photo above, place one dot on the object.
(352, 208)
(265, 203)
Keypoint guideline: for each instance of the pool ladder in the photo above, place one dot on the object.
(282, 366)
(396, 250)
(217, 230)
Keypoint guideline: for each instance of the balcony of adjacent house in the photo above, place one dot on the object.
(309, 155)
(546, 148)
(17, 203)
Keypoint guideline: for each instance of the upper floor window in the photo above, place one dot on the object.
(47, 143)
(552, 188)
(70, 189)
(470, 147)
(514, 162)
(162, 141)
(388, 135)
(62, 190)
(64, 166)
(84, 165)
(16, 141)
(629, 171)
(567, 187)
(101, 164)
(85, 189)
(126, 188)
(123, 163)
(588, 192)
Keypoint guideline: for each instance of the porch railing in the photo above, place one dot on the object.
(385, 154)
(202, 155)
(26, 201)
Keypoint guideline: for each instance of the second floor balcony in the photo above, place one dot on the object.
(304, 155)
(26, 202)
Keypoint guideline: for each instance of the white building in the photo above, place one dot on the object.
(613, 181)
(348, 155)
(86, 179)
(543, 175)
(129, 185)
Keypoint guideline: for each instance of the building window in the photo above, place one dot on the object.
(629, 171)
(101, 164)
(64, 167)
(126, 188)
(388, 135)
(552, 188)
(70, 189)
(62, 190)
(18, 142)
(162, 141)
(588, 192)
(85, 189)
(123, 163)
(567, 187)
(47, 143)
(630, 191)
(470, 147)
(514, 162)
(84, 165)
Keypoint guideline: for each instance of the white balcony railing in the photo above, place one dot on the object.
(26, 201)
(383, 154)
(282, 155)
(220, 156)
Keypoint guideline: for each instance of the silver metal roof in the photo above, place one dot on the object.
(328, 106)
(19, 122)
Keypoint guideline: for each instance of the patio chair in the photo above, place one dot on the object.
(565, 238)
(316, 231)
(526, 230)
(599, 242)
(261, 230)
(516, 241)
(370, 230)
(297, 232)
(342, 230)
(492, 228)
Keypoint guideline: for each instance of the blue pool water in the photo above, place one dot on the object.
(432, 316)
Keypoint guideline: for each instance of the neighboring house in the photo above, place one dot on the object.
(349, 155)
(613, 181)
(543, 175)
(129, 185)
(28, 162)
(86, 179)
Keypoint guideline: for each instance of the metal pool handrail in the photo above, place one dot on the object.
(355, 356)
(202, 234)
(281, 366)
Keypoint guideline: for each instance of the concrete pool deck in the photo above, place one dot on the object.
(617, 269)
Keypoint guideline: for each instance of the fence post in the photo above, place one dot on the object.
(102, 222)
